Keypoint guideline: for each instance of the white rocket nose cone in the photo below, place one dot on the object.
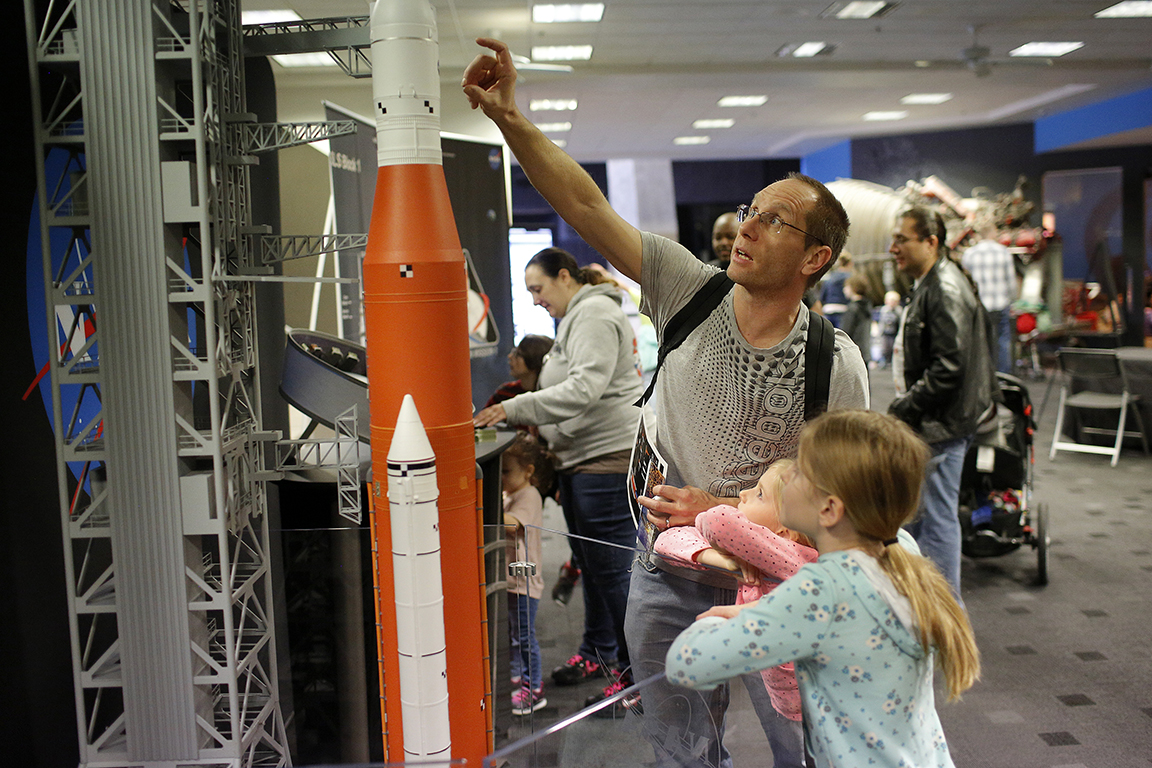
(407, 15)
(409, 441)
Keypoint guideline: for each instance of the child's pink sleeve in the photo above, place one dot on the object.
(681, 544)
(774, 556)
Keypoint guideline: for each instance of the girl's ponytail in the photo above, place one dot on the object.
(876, 464)
(941, 622)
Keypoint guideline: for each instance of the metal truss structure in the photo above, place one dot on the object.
(144, 149)
(345, 39)
(276, 248)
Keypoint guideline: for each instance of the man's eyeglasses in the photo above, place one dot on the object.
(771, 221)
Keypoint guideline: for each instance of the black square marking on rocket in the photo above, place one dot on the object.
(406, 270)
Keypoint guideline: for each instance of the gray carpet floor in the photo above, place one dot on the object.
(1067, 667)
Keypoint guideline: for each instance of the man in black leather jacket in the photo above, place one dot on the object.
(944, 379)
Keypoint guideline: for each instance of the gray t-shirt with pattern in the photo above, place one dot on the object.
(725, 410)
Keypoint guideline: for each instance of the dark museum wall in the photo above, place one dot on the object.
(37, 709)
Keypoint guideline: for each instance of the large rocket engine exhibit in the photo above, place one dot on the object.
(416, 319)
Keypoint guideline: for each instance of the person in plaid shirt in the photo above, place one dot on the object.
(993, 268)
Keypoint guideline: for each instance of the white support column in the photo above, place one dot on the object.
(642, 191)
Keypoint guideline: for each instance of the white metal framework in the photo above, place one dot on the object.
(139, 106)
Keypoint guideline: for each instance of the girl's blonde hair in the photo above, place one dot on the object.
(875, 464)
(776, 477)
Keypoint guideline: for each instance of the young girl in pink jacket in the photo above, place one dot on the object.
(749, 540)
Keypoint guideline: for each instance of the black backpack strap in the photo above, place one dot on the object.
(685, 321)
(818, 351)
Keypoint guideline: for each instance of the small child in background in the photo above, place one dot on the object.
(864, 624)
(889, 322)
(749, 540)
(526, 469)
(857, 319)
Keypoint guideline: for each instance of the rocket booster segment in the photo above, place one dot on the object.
(406, 82)
(412, 497)
(416, 322)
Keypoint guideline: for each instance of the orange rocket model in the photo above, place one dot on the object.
(416, 317)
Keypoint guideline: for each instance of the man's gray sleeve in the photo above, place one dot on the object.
(848, 388)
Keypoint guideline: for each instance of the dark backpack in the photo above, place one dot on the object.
(818, 348)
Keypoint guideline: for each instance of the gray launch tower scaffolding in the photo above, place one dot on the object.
(151, 320)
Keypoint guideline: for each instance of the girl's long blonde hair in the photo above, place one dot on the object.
(875, 464)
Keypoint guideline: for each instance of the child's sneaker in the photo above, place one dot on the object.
(616, 710)
(526, 701)
(576, 670)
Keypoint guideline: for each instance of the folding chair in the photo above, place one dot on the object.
(1100, 372)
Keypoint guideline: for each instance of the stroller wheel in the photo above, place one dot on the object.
(1041, 544)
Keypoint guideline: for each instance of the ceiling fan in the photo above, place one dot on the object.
(976, 57)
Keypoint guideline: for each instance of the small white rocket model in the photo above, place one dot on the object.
(412, 504)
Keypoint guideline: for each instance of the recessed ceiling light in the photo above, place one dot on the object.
(893, 115)
(560, 143)
(1045, 49)
(553, 105)
(554, 127)
(926, 98)
(687, 140)
(922, 63)
(268, 17)
(561, 52)
(704, 125)
(858, 9)
(1129, 9)
(315, 59)
(556, 14)
(805, 50)
(742, 101)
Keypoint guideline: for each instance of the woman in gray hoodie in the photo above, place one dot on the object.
(585, 408)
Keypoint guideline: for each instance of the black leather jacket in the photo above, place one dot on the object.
(947, 358)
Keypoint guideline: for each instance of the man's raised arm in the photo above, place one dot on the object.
(490, 84)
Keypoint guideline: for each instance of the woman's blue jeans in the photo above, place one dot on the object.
(596, 507)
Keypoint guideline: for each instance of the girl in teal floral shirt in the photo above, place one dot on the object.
(866, 623)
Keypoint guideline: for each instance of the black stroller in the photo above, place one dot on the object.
(997, 514)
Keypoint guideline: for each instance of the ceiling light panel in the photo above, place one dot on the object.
(805, 50)
(704, 125)
(552, 105)
(268, 17)
(880, 116)
(554, 127)
(858, 9)
(561, 52)
(742, 101)
(926, 98)
(684, 141)
(557, 14)
(1129, 9)
(1045, 49)
(294, 60)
